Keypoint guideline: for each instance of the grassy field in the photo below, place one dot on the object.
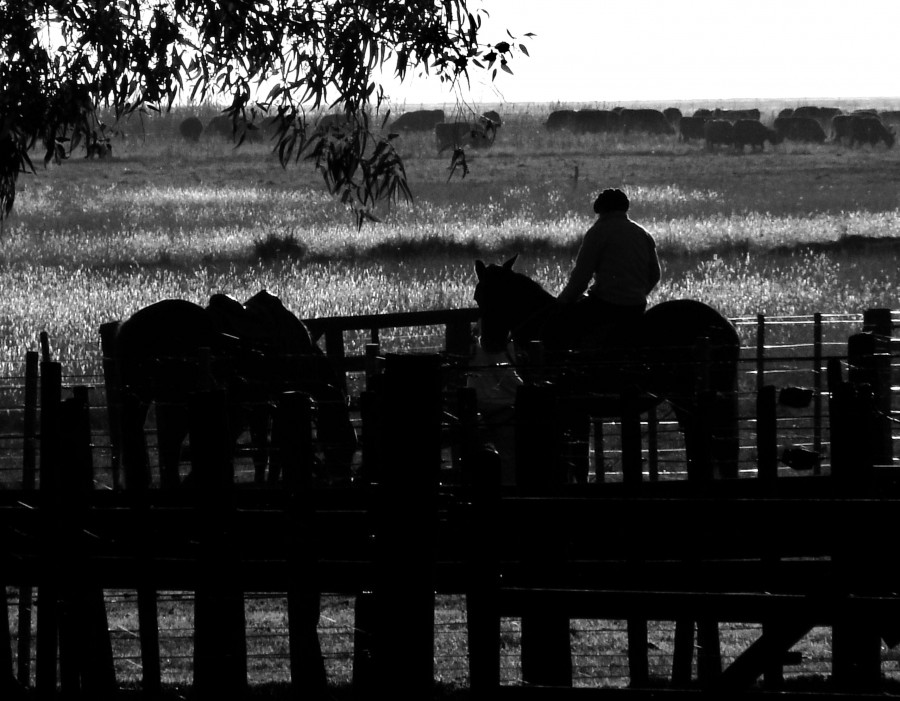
(91, 241)
(794, 230)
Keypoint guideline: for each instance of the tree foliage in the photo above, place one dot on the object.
(63, 63)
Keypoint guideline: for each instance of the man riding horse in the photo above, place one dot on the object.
(620, 256)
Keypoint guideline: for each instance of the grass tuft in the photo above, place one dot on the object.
(277, 247)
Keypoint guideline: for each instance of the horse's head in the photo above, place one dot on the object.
(507, 300)
(493, 297)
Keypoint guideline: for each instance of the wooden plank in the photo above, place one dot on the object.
(819, 609)
(363, 322)
(777, 638)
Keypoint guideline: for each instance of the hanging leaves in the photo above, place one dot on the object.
(279, 60)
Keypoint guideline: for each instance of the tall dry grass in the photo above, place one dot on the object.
(92, 241)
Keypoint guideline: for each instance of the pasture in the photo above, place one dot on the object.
(797, 229)
(94, 240)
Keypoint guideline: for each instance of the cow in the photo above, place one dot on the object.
(271, 126)
(673, 116)
(461, 134)
(418, 120)
(804, 129)
(734, 115)
(220, 125)
(840, 128)
(190, 129)
(823, 115)
(703, 112)
(890, 117)
(869, 130)
(559, 120)
(645, 120)
(336, 121)
(718, 132)
(493, 117)
(595, 122)
(98, 147)
(786, 112)
(225, 127)
(754, 133)
(691, 128)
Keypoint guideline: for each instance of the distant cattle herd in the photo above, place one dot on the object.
(716, 128)
(736, 128)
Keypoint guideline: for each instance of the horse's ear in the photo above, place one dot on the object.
(509, 264)
(479, 268)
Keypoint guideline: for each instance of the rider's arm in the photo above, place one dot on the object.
(653, 273)
(585, 265)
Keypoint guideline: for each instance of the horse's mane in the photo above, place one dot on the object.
(532, 288)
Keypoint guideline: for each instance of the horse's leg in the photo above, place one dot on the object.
(578, 449)
(694, 421)
(135, 464)
(576, 422)
(725, 434)
(336, 433)
(258, 425)
(171, 430)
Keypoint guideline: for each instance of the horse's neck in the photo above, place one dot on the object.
(535, 303)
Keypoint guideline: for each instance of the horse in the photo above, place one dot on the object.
(252, 351)
(681, 351)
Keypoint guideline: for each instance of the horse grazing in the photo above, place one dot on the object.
(681, 351)
(253, 351)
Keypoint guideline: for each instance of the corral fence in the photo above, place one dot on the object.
(431, 515)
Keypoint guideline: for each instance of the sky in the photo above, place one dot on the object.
(607, 51)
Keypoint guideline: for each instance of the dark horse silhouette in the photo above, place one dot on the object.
(681, 351)
(253, 351)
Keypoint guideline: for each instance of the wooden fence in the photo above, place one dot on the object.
(546, 551)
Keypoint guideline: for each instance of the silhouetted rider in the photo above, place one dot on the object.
(620, 257)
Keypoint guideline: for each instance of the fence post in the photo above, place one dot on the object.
(632, 459)
(817, 389)
(869, 359)
(546, 645)
(368, 409)
(10, 688)
(48, 588)
(652, 444)
(856, 642)
(113, 387)
(364, 619)
(409, 452)
(482, 598)
(465, 439)
(766, 434)
(29, 480)
(760, 351)
(698, 447)
(599, 459)
(458, 338)
(86, 659)
(878, 321)
(372, 364)
(293, 443)
(336, 353)
(220, 651)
